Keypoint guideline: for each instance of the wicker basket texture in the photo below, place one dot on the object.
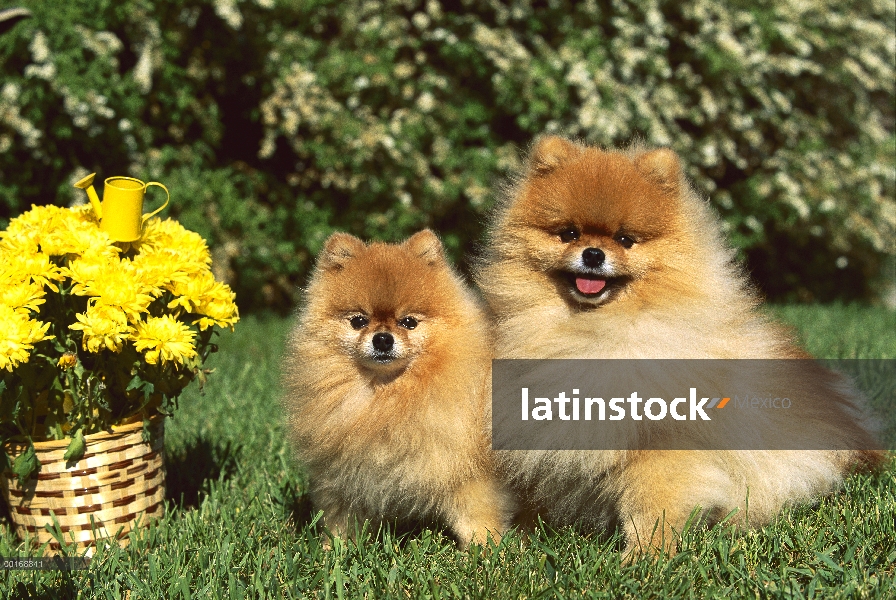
(119, 481)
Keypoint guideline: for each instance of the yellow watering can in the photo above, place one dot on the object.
(121, 211)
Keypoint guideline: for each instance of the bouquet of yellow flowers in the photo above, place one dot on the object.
(94, 333)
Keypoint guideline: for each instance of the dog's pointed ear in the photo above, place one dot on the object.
(549, 152)
(427, 246)
(338, 249)
(661, 166)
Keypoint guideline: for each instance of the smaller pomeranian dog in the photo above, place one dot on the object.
(600, 254)
(388, 379)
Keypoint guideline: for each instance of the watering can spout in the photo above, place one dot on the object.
(86, 184)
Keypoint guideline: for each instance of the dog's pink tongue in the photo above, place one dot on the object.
(590, 286)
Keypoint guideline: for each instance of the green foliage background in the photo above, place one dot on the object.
(276, 122)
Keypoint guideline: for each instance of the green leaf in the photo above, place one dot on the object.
(26, 465)
(141, 385)
(75, 448)
(827, 560)
(135, 383)
(148, 431)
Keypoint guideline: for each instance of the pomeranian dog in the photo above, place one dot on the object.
(388, 379)
(610, 255)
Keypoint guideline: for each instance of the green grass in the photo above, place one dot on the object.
(843, 331)
(237, 525)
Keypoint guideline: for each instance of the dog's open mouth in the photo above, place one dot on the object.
(590, 286)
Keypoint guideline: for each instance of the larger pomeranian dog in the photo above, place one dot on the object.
(610, 254)
(387, 382)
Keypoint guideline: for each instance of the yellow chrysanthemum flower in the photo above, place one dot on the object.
(164, 339)
(200, 288)
(21, 296)
(113, 283)
(218, 308)
(204, 296)
(171, 235)
(169, 258)
(26, 231)
(86, 268)
(11, 245)
(158, 268)
(77, 235)
(222, 314)
(83, 213)
(22, 242)
(18, 334)
(39, 217)
(37, 268)
(104, 327)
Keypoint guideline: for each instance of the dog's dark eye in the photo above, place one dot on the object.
(625, 241)
(359, 321)
(408, 322)
(570, 234)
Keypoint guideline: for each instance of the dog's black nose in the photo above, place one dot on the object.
(593, 257)
(383, 341)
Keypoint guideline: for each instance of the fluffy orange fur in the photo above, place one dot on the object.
(388, 379)
(664, 284)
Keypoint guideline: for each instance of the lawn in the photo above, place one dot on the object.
(237, 525)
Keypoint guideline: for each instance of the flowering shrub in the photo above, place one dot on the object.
(287, 120)
(93, 333)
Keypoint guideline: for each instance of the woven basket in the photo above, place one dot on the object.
(119, 479)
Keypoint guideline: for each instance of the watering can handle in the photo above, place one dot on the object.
(156, 211)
